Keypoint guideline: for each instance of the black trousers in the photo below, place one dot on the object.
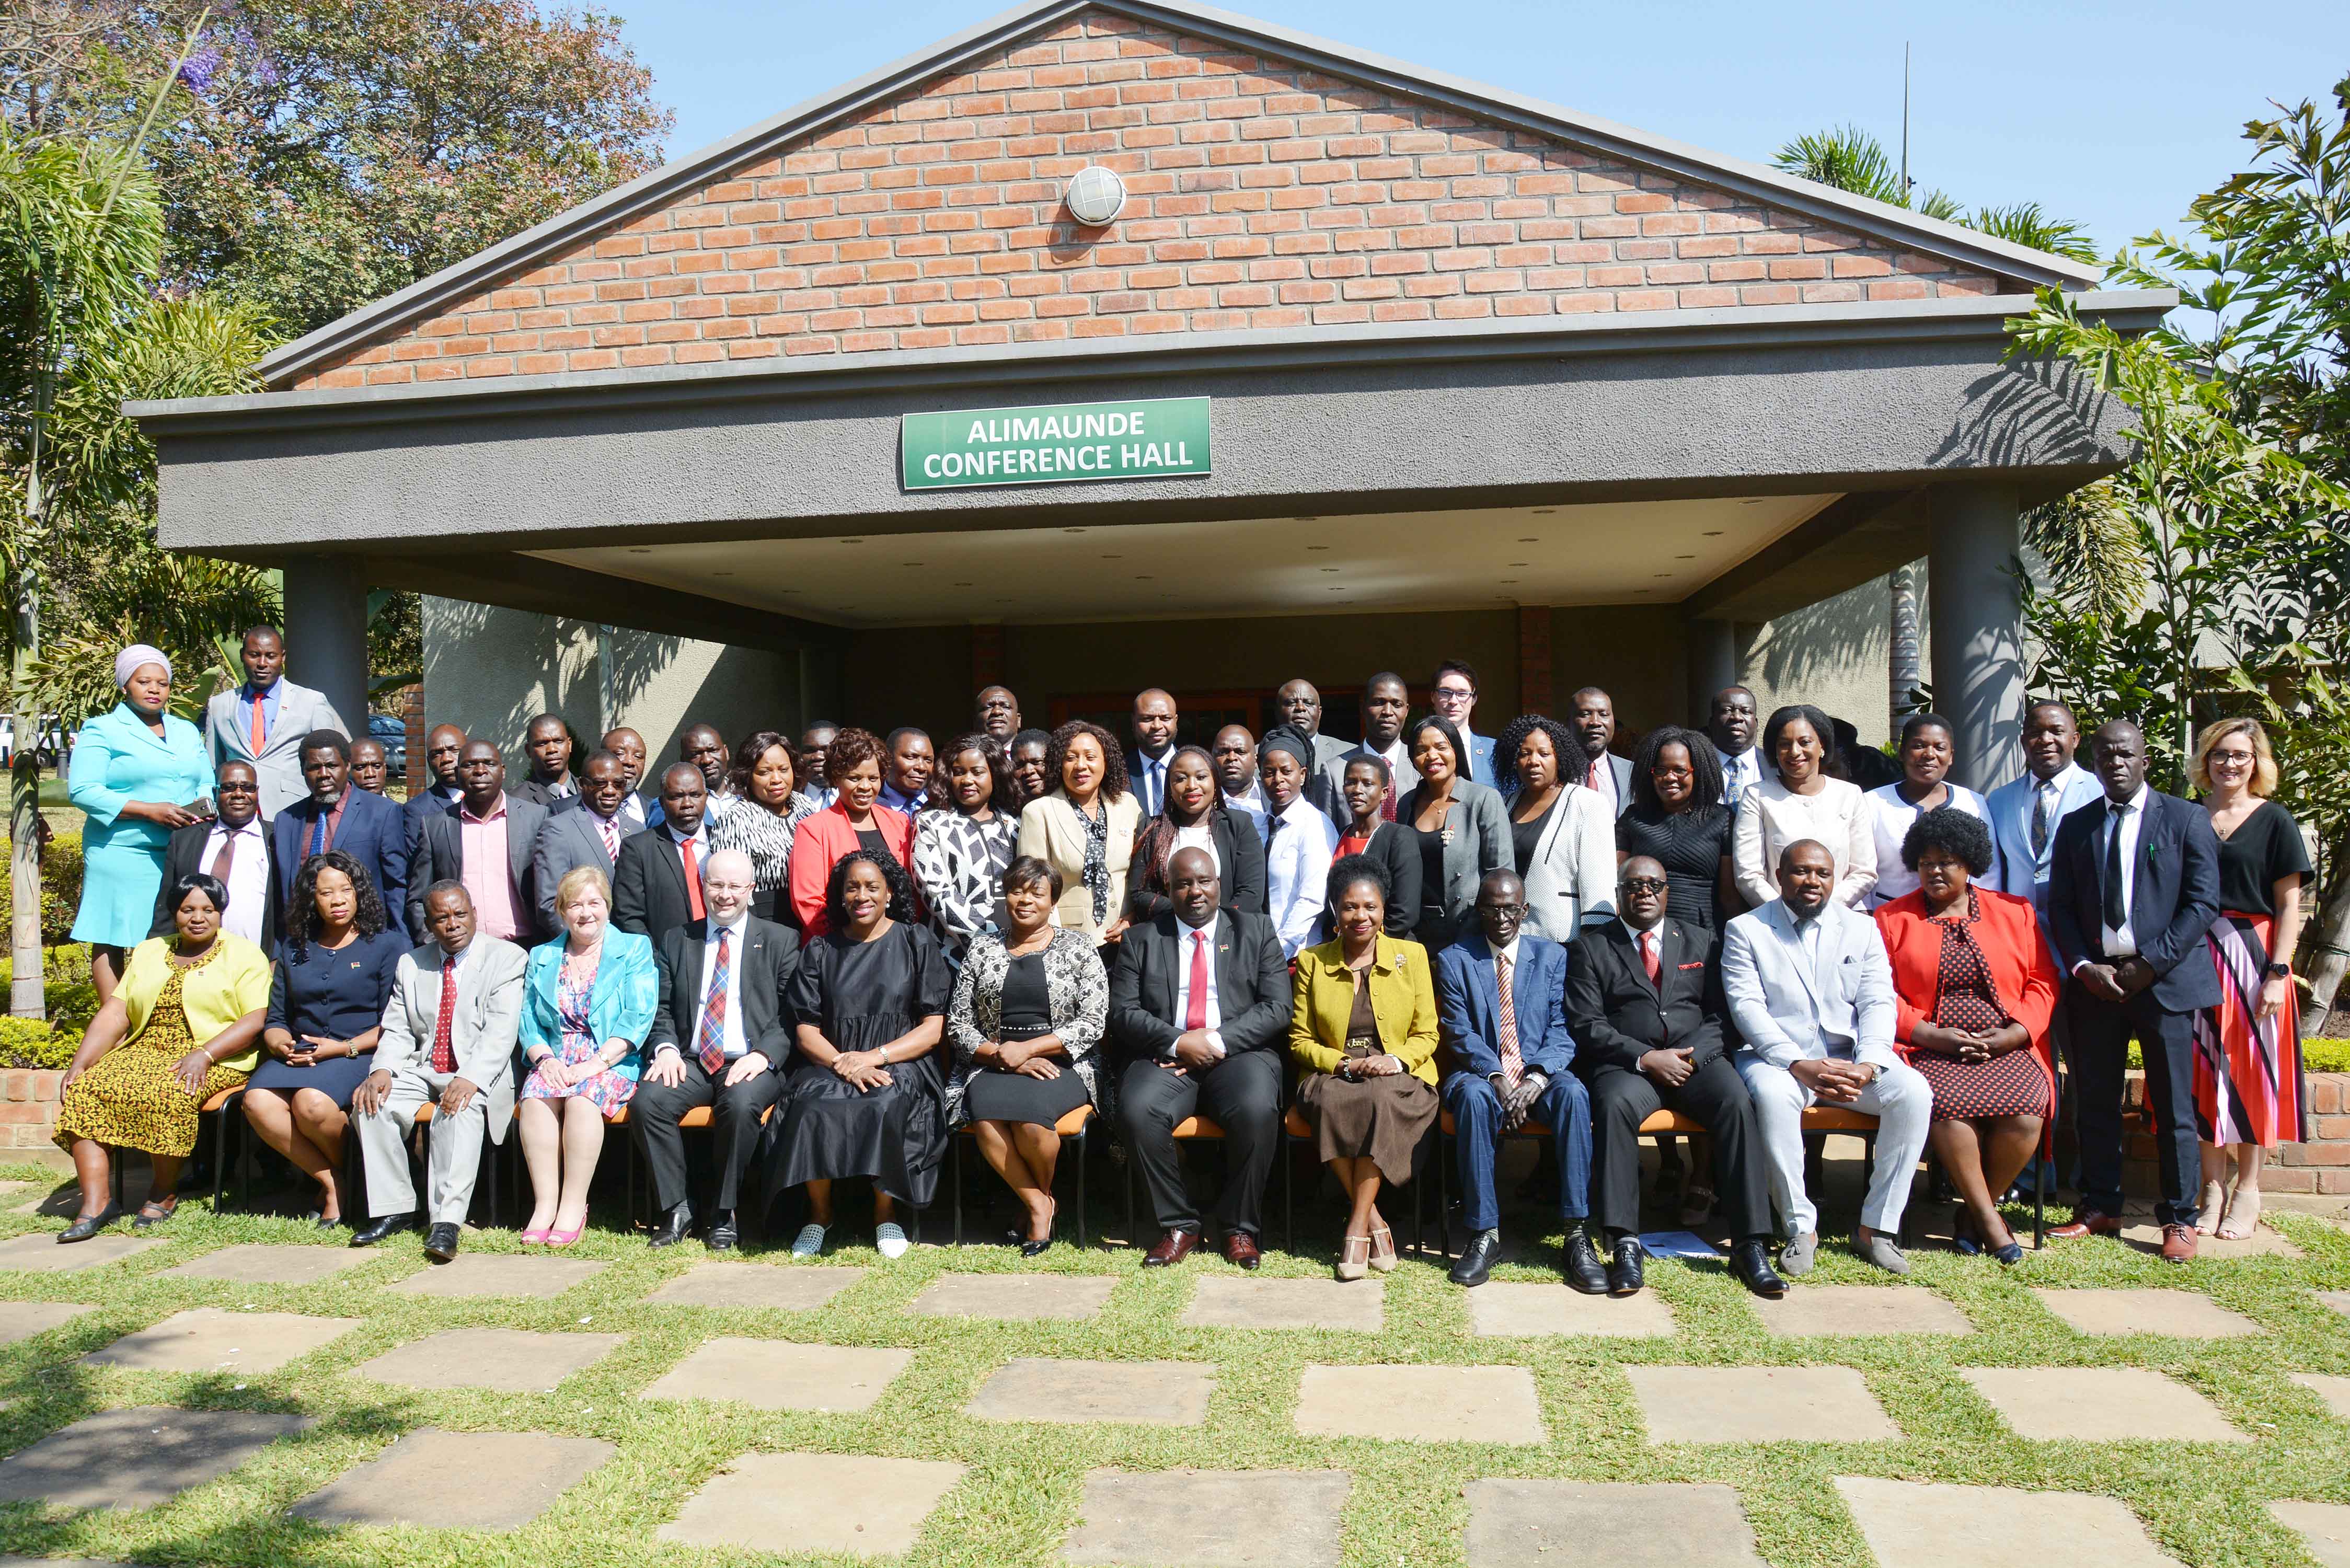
(734, 1124)
(1241, 1094)
(2099, 1054)
(1621, 1099)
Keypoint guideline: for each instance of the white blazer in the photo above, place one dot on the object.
(483, 1035)
(1771, 816)
(1571, 879)
(1790, 1010)
(228, 738)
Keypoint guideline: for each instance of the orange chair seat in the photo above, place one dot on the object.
(1198, 1126)
(1819, 1118)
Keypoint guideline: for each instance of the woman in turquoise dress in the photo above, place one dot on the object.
(137, 772)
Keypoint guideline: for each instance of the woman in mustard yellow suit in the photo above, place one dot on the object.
(1362, 1032)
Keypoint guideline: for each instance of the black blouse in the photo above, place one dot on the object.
(1525, 835)
(2266, 847)
(1689, 845)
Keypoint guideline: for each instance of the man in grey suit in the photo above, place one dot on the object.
(1591, 714)
(1301, 710)
(451, 1049)
(1812, 990)
(590, 835)
(263, 720)
(488, 821)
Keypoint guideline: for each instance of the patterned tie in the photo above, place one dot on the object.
(611, 831)
(319, 835)
(710, 1043)
(1649, 957)
(2040, 821)
(693, 907)
(260, 725)
(1195, 1011)
(1513, 1067)
(444, 1049)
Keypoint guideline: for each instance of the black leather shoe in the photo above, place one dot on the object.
(722, 1234)
(1751, 1261)
(676, 1226)
(383, 1228)
(1476, 1265)
(1625, 1277)
(1581, 1265)
(89, 1225)
(440, 1242)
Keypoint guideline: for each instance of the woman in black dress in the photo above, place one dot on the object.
(1392, 845)
(325, 1005)
(1678, 819)
(863, 1095)
(1029, 1007)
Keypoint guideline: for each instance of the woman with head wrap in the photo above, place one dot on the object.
(138, 772)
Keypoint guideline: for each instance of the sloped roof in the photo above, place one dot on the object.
(1858, 215)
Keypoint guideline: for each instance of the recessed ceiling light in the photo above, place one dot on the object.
(1517, 563)
(1755, 501)
(852, 541)
(1545, 510)
(722, 573)
(962, 585)
(912, 562)
(1531, 539)
(1684, 558)
(1664, 574)
(1306, 519)
(1144, 578)
(1713, 533)
(640, 550)
(1072, 530)
(1317, 547)
(1336, 589)
(1329, 569)
(1113, 557)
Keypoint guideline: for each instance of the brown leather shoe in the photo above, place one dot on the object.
(2178, 1243)
(1240, 1249)
(2086, 1222)
(1173, 1248)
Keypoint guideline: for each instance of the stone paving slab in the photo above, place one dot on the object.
(1759, 1405)
(141, 1456)
(1919, 1524)
(1141, 1393)
(1502, 1309)
(2100, 1405)
(760, 1500)
(2324, 1529)
(778, 1375)
(717, 1284)
(2338, 1300)
(504, 1360)
(15, 1562)
(1211, 1519)
(1035, 1298)
(22, 1320)
(2182, 1314)
(1607, 1524)
(458, 1480)
(1221, 1300)
(42, 1254)
(209, 1339)
(500, 1274)
(2263, 1243)
(1865, 1311)
(2334, 1391)
(1420, 1404)
(253, 1264)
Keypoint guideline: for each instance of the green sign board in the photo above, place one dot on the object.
(1151, 438)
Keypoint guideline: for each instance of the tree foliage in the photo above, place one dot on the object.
(1853, 159)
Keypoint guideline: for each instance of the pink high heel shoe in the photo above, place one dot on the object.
(565, 1238)
(535, 1238)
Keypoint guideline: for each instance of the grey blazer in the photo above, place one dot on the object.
(228, 738)
(488, 1020)
(1790, 1010)
(1480, 825)
(569, 839)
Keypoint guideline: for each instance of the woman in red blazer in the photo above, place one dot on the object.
(1975, 987)
(853, 766)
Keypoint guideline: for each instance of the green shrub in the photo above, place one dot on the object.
(60, 890)
(2317, 1056)
(30, 1042)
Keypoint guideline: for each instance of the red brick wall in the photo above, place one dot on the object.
(1259, 196)
(2322, 1165)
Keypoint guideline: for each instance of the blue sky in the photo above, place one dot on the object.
(2114, 116)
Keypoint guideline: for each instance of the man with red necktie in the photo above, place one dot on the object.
(1592, 717)
(657, 881)
(261, 721)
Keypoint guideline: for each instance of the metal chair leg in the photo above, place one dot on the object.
(954, 1179)
(2040, 1198)
(1081, 1189)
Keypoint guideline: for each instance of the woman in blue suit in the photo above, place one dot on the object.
(587, 1004)
(137, 772)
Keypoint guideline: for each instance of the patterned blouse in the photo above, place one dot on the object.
(764, 835)
(1074, 982)
(959, 865)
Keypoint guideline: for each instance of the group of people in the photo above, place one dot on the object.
(846, 947)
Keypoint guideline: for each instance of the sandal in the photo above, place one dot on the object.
(2241, 1226)
(1354, 1256)
(2215, 1199)
(1383, 1249)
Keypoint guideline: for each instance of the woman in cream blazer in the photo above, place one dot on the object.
(1090, 814)
(1797, 800)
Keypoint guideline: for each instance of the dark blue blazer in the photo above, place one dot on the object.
(373, 833)
(1469, 1003)
(2175, 895)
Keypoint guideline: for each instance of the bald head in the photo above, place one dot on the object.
(2119, 747)
(1154, 721)
(728, 880)
(1193, 887)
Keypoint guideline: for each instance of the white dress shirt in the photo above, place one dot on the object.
(1186, 938)
(1599, 777)
(2123, 944)
(248, 875)
(1251, 801)
(735, 1045)
(1300, 842)
(1739, 774)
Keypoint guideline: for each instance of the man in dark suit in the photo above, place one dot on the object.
(657, 881)
(1645, 997)
(551, 784)
(2133, 887)
(489, 820)
(720, 1038)
(333, 815)
(1154, 748)
(1592, 717)
(1200, 1000)
(443, 745)
(590, 835)
(1501, 1001)
(233, 846)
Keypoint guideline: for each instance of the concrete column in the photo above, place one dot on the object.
(326, 632)
(1975, 610)
(1713, 665)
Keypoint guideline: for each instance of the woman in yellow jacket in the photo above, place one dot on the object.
(1363, 1032)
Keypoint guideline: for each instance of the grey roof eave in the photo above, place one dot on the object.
(1981, 319)
(1896, 224)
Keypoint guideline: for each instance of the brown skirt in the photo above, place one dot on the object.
(1384, 1118)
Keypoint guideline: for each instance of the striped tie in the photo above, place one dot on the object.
(1514, 1066)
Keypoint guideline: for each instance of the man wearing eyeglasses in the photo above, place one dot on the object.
(1453, 695)
(1645, 998)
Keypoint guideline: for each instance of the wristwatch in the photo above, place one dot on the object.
(2279, 971)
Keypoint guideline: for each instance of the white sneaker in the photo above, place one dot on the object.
(890, 1240)
(809, 1242)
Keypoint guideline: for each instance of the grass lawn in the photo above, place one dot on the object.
(1022, 1494)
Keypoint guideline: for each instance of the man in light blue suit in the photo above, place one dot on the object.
(2024, 812)
(1453, 695)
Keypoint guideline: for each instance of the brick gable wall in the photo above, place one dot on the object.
(1259, 196)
